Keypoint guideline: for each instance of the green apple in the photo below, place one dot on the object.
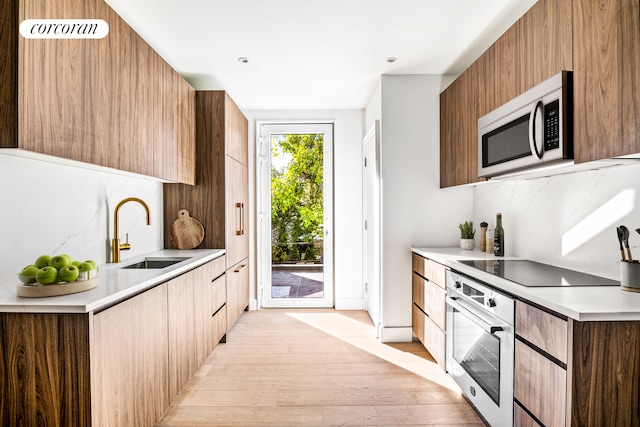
(68, 273)
(76, 263)
(92, 262)
(69, 258)
(85, 266)
(59, 261)
(28, 274)
(42, 261)
(47, 275)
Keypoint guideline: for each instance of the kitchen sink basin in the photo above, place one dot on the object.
(157, 263)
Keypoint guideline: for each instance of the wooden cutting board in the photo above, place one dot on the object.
(186, 232)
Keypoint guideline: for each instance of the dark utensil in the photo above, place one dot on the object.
(638, 230)
(625, 239)
(620, 238)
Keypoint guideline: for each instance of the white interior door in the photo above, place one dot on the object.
(291, 280)
(372, 222)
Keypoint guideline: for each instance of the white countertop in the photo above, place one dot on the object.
(115, 284)
(583, 303)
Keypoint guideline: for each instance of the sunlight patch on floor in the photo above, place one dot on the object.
(363, 336)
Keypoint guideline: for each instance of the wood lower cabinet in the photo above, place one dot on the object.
(429, 306)
(111, 102)
(181, 326)
(220, 200)
(121, 366)
(129, 361)
(210, 308)
(193, 300)
(237, 291)
(570, 373)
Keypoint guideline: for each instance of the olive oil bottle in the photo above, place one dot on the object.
(498, 237)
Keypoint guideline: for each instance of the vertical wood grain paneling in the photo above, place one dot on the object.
(544, 42)
(237, 132)
(182, 323)
(606, 79)
(129, 361)
(237, 211)
(44, 367)
(544, 330)
(606, 368)
(206, 200)
(112, 102)
(459, 107)
(8, 73)
(540, 385)
(237, 291)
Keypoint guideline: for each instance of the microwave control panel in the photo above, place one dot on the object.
(552, 125)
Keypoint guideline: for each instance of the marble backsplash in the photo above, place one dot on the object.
(49, 208)
(566, 220)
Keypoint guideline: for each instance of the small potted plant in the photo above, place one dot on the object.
(467, 234)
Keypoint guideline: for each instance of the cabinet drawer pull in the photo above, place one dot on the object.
(240, 231)
(240, 268)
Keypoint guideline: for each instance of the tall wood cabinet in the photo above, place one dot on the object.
(111, 102)
(599, 41)
(220, 198)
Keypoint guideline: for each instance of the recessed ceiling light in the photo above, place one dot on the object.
(392, 59)
(243, 60)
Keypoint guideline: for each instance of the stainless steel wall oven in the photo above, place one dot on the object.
(480, 346)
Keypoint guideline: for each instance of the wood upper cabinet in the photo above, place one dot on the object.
(544, 45)
(606, 78)
(599, 41)
(459, 108)
(236, 132)
(111, 102)
(536, 47)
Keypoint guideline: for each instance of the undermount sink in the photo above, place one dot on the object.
(159, 262)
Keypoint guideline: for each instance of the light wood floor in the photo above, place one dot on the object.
(317, 368)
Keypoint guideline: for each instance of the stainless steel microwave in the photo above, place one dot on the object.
(531, 130)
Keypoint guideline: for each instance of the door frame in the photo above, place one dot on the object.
(263, 195)
(372, 220)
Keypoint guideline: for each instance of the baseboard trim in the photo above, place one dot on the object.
(395, 334)
(349, 304)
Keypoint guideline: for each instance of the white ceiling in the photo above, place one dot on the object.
(312, 54)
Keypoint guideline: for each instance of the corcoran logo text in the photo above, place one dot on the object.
(64, 29)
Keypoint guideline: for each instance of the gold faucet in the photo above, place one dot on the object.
(116, 246)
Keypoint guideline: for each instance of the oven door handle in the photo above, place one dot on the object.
(485, 322)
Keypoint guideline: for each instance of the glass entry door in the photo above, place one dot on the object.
(296, 215)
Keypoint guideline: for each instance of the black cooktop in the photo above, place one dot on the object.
(531, 273)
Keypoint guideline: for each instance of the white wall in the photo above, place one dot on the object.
(415, 211)
(50, 208)
(566, 220)
(348, 133)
